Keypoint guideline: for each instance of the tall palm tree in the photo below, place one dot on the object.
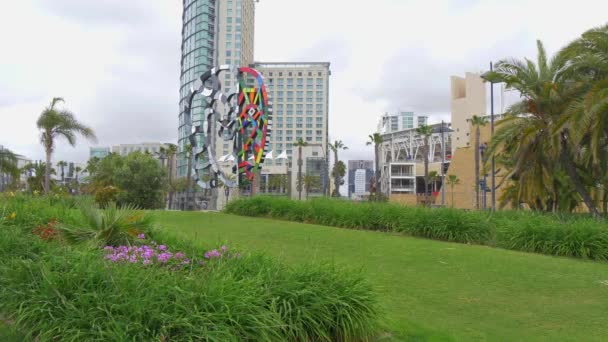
(54, 123)
(376, 140)
(311, 182)
(453, 180)
(8, 165)
(425, 132)
(477, 122)
(535, 134)
(62, 164)
(77, 170)
(171, 152)
(335, 147)
(188, 155)
(299, 144)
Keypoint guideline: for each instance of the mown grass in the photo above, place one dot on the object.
(573, 236)
(433, 290)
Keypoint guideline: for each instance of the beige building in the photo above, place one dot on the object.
(300, 96)
(468, 98)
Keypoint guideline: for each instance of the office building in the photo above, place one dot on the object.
(300, 96)
(99, 152)
(400, 121)
(213, 33)
(365, 167)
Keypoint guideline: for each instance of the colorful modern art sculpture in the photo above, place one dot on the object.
(240, 116)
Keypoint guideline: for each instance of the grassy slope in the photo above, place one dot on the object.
(436, 290)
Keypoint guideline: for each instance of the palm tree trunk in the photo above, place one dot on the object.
(336, 176)
(426, 175)
(477, 134)
(170, 181)
(377, 155)
(300, 185)
(189, 182)
(573, 174)
(47, 172)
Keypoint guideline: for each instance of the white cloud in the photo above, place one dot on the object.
(117, 62)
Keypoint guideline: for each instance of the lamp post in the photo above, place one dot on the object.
(492, 135)
(482, 150)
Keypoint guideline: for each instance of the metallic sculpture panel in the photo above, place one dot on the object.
(241, 116)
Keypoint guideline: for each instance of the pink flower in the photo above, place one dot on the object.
(179, 255)
(162, 248)
(141, 236)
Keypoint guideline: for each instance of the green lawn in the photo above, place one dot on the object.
(434, 290)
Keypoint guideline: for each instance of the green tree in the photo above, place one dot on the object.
(338, 172)
(425, 132)
(54, 123)
(453, 180)
(536, 134)
(36, 176)
(477, 122)
(310, 183)
(299, 144)
(376, 140)
(8, 166)
(170, 152)
(434, 177)
(62, 164)
(336, 147)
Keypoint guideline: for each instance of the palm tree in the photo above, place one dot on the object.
(171, 152)
(335, 147)
(453, 180)
(55, 123)
(8, 165)
(425, 132)
(477, 122)
(376, 140)
(311, 182)
(37, 177)
(77, 170)
(62, 164)
(188, 153)
(300, 143)
(536, 134)
(434, 177)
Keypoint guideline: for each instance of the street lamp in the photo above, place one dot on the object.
(482, 151)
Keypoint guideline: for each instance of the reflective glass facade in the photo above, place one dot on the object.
(198, 49)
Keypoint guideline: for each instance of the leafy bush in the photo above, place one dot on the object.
(569, 235)
(57, 292)
(110, 227)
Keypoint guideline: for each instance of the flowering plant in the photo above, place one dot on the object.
(159, 255)
(48, 231)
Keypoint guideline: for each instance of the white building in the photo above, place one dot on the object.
(400, 121)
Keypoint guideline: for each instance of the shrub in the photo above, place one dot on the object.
(106, 195)
(68, 292)
(113, 226)
(563, 235)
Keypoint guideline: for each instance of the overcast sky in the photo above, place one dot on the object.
(116, 62)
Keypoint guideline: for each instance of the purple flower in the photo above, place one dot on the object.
(162, 248)
(147, 261)
(141, 236)
(179, 255)
(186, 261)
(213, 254)
(224, 248)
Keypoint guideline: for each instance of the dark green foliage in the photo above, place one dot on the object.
(563, 235)
(139, 178)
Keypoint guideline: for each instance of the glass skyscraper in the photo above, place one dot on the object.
(214, 32)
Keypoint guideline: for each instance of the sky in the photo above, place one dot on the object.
(117, 63)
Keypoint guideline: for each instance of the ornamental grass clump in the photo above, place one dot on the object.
(54, 291)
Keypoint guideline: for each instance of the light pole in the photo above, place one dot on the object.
(482, 150)
(442, 165)
(492, 135)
